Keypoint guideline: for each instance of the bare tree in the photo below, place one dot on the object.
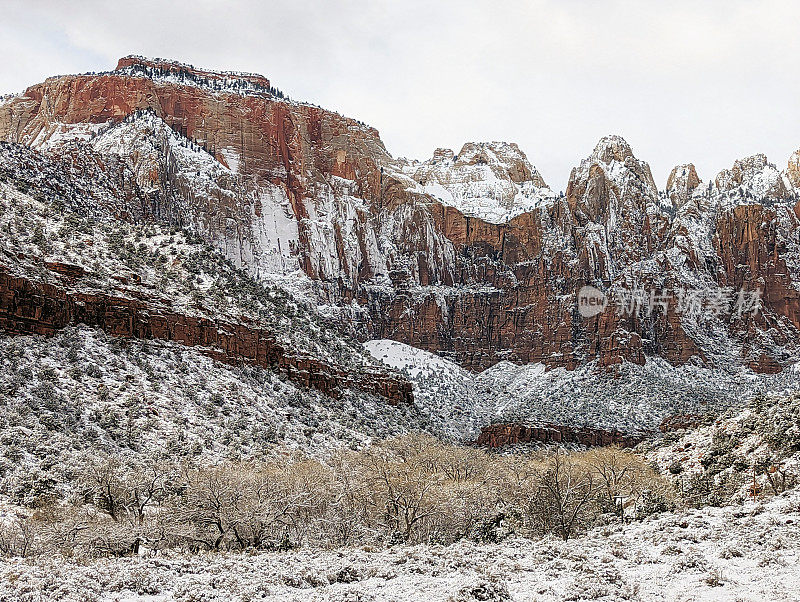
(17, 538)
(569, 494)
(622, 477)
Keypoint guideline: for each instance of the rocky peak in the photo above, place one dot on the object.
(504, 158)
(681, 184)
(443, 154)
(490, 180)
(614, 207)
(622, 170)
(756, 177)
(793, 171)
(612, 148)
(611, 183)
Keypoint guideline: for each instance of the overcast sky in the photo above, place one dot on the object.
(700, 81)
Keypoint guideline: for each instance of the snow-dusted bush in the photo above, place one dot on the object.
(777, 419)
(743, 454)
(410, 489)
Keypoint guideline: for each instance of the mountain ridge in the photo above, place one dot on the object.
(468, 255)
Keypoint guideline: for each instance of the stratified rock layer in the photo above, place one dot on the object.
(29, 307)
(502, 435)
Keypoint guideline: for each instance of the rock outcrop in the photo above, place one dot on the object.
(754, 176)
(681, 184)
(492, 181)
(502, 435)
(793, 170)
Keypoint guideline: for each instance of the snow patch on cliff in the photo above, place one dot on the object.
(56, 134)
(232, 159)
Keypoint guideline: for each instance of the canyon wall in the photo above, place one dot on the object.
(470, 255)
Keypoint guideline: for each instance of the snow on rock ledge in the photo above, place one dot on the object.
(755, 176)
(493, 181)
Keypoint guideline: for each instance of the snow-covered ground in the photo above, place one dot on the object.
(748, 553)
(65, 398)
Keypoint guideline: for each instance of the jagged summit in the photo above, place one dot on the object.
(499, 156)
(490, 180)
(505, 156)
(681, 184)
(627, 175)
(755, 176)
(442, 154)
(612, 148)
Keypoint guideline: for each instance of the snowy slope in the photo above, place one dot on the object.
(168, 267)
(443, 391)
(722, 459)
(630, 398)
(67, 398)
(82, 391)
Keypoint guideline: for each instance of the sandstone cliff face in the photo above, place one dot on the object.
(793, 171)
(470, 255)
(295, 155)
(614, 206)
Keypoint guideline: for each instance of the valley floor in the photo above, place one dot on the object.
(746, 553)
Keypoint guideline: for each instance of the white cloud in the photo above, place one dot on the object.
(683, 81)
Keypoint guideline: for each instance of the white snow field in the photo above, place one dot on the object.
(747, 553)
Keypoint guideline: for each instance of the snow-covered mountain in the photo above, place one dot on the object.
(470, 256)
(231, 321)
(493, 181)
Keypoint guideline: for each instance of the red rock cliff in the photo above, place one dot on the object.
(320, 192)
(28, 307)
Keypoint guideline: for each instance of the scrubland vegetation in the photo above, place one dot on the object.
(410, 489)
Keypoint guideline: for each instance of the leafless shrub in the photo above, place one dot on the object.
(408, 489)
